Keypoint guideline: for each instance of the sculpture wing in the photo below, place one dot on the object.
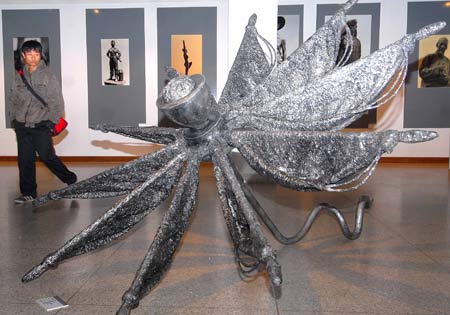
(335, 100)
(250, 67)
(331, 161)
(313, 59)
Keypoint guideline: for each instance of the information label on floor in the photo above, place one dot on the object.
(52, 303)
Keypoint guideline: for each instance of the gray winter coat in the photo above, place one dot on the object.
(26, 108)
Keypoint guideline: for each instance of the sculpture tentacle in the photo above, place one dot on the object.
(166, 241)
(118, 220)
(153, 134)
(261, 248)
(117, 181)
(234, 218)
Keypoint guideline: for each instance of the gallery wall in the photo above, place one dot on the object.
(232, 16)
(79, 139)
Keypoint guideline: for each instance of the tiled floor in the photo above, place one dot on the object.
(400, 265)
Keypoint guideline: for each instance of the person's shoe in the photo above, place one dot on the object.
(73, 180)
(24, 199)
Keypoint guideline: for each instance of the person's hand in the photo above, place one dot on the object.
(51, 126)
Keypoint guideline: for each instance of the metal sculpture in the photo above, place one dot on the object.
(284, 119)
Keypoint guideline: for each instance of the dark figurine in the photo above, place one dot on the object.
(435, 68)
(114, 55)
(187, 63)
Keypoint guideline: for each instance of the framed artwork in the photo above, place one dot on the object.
(43, 26)
(427, 87)
(116, 66)
(115, 61)
(363, 20)
(187, 42)
(289, 30)
(186, 52)
(434, 62)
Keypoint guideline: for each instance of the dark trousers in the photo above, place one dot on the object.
(113, 69)
(30, 141)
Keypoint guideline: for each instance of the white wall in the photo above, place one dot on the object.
(232, 17)
(80, 140)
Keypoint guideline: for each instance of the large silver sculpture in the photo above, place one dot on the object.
(284, 120)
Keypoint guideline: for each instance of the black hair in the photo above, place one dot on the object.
(352, 23)
(30, 45)
(281, 22)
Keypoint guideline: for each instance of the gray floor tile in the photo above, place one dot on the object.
(399, 265)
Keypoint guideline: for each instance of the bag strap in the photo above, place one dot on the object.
(22, 76)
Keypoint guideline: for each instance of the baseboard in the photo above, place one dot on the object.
(82, 158)
(412, 160)
(415, 160)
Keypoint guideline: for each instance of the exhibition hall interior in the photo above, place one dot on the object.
(225, 157)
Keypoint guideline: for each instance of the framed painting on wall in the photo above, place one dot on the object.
(186, 52)
(115, 61)
(427, 87)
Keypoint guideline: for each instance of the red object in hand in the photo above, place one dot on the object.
(60, 126)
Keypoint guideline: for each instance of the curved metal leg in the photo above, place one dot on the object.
(364, 203)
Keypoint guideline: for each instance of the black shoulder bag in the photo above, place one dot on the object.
(62, 124)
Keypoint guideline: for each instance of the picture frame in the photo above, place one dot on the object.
(426, 107)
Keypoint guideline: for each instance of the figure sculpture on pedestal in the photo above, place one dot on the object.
(114, 55)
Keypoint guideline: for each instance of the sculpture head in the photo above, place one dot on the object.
(353, 26)
(442, 45)
(280, 22)
(113, 43)
(31, 53)
(187, 100)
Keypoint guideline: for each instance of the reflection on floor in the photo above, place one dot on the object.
(400, 265)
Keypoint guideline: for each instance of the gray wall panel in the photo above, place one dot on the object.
(116, 105)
